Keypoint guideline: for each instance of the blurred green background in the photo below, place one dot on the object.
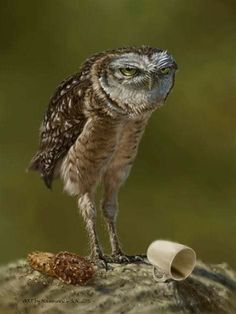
(182, 186)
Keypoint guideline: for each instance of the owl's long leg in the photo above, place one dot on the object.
(112, 182)
(87, 208)
(88, 211)
(116, 174)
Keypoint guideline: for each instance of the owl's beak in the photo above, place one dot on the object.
(151, 82)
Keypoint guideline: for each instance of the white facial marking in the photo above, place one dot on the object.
(146, 89)
(162, 59)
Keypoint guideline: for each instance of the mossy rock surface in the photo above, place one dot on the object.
(124, 289)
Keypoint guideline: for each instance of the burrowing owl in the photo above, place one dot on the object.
(93, 126)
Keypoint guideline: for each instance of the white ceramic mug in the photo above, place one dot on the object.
(171, 260)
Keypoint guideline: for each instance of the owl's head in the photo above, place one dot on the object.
(134, 80)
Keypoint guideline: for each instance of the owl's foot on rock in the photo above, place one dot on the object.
(101, 261)
(127, 259)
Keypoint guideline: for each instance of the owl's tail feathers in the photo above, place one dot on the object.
(37, 164)
(34, 163)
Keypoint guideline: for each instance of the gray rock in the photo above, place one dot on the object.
(124, 289)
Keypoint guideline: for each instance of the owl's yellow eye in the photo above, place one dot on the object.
(165, 70)
(128, 71)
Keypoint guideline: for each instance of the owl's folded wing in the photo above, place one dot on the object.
(62, 124)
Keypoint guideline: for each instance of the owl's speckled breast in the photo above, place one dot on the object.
(102, 143)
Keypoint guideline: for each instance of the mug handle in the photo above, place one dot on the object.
(159, 275)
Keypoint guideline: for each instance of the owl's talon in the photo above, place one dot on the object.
(142, 259)
(120, 258)
(101, 262)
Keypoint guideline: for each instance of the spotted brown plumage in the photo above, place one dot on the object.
(63, 122)
(93, 126)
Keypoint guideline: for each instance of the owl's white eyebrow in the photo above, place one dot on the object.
(163, 59)
(124, 63)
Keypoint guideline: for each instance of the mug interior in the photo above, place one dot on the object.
(183, 264)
